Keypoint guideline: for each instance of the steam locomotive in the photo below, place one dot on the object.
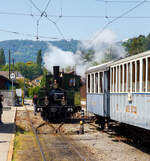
(60, 98)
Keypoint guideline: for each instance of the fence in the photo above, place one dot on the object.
(9, 97)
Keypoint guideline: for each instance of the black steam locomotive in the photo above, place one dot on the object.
(60, 98)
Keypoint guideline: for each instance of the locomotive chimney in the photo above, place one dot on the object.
(56, 73)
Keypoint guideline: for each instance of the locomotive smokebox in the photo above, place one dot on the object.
(56, 73)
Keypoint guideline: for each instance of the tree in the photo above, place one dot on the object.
(29, 70)
(39, 58)
(88, 55)
(147, 43)
(135, 45)
(2, 57)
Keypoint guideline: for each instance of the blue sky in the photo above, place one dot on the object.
(73, 27)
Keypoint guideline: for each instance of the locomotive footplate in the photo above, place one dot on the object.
(60, 109)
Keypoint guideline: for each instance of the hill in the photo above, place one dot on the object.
(26, 50)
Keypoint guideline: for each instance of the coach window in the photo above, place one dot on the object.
(129, 73)
(117, 79)
(133, 76)
(92, 83)
(96, 82)
(144, 76)
(125, 77)
(101, 82)
(88, 83)
(138, 76)
(121, 71)
(148, 81)
(112, 79)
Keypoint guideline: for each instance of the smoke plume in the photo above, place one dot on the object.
(102, 44)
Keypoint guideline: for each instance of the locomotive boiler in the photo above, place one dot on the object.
(60, 98)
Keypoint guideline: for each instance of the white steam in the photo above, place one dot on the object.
(102, 44)
(58, 57)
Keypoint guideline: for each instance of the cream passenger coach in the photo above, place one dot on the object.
(120, 90)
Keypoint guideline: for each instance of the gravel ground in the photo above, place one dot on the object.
(109, 148)
(105, 146)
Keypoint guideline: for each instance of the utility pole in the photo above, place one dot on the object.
(13, 63)
(9, 62)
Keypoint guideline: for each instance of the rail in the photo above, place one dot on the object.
(58, 131)
(36, 136)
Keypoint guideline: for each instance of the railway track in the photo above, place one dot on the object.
(53, 145)
(60, 141)
(36, 136)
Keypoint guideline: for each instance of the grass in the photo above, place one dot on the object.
(20, 142)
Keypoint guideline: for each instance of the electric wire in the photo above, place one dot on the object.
(37, 24)
(120, 1)
(72, 16)
(34, 5)
(26, 34)
(115, 19)
(56, 27)
(106, 10)
(61, 14)
(45, 15)
(41, 15)
(47, 5)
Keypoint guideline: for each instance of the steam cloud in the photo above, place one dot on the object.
(102, 44)
(58, 57)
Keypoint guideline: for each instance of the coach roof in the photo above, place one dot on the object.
(105, 66)
(131, 58)
(101, 67)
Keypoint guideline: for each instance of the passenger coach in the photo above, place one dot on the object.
(120, 90)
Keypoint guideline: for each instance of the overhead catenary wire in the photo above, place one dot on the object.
(47, 5)
(61, 8)
(111, 1)
(41, 15)
(61, 11)
(56, 27)
(34, 5)
(115, 19)
(30, 35)
(111, 18)
(37, 23)
(45, 15)
(106, 9)
(72, 16)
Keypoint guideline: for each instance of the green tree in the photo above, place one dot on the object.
(39, 58)
(88, 55)
(32, 91)
(2, 57)
(135, 45)
(109, 55)
(30, 71)
(147, 42)
(43, 80)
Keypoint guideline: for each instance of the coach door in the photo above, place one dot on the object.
(106, 93)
